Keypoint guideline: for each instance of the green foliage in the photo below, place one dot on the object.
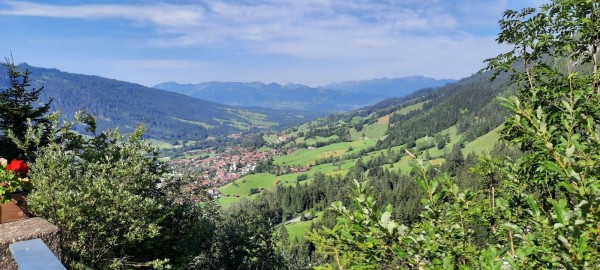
(245, 240)
(543, 206)
(555, 119)
(475, 96)
(13, 179)
(454, 159)
(301, 177)
(112, 201)
(167, 115)
(99, 194)
(18, 109)
(368, 238)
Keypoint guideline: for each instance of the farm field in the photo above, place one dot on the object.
(373, 131)
(242, 186)
(337, 164)
(303, 157)
(297, 230)
(484, 143)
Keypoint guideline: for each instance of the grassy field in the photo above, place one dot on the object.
(267, 181)
(313, 141)
(298, 230)
(265, 149)
(195, 123)
(167, 145)
(238, 124)
(484, 143)
(411, 108)
(386, 118)
(403, 164)
(254, 119)
(333, 169)
(271, 138)
(372, 131)
(359, 145)
(383, 120)
(454, 138)
(159, 144)
(242, 186)
(300, 157)
(304, 157)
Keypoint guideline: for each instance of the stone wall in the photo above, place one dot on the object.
(27, 229)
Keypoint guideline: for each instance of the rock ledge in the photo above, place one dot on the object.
(27, 229)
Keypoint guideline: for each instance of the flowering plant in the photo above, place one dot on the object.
(13, 178)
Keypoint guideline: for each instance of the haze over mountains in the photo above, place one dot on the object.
(344, 96)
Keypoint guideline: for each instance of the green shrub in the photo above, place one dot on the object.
(113, 203)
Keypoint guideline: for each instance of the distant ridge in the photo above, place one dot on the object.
(168, 115)
(343, 96)
(396, 87)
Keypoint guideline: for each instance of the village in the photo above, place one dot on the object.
(213, 169)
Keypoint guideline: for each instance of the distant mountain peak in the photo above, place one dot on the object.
(342, 96)
(167, 115)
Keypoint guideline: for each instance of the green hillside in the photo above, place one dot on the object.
(332, 147)
(168, 116)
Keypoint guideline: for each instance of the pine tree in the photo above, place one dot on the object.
(454, 159)
(17, 106)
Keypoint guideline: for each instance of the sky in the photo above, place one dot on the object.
(311, 42)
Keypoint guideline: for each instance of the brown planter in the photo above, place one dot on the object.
(15, 209)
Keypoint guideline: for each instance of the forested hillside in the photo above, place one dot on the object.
(442, 178)
(469, 104)
(167, 115)
(500, 170)
(449, 126)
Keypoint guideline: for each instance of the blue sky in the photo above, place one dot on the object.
(312, 42)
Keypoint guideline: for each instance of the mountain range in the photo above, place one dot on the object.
(333, 97)
(192, 112)
(168, 116)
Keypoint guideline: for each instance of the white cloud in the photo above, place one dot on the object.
(161, 15)
(366, 38)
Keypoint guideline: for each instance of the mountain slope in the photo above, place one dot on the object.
(267, 95)
(334, 97)
(384, 87)
(370, 142)
(167, 115)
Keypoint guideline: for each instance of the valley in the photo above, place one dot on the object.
(292, 165)
(168, 117)
(314, 135)
(353, 145)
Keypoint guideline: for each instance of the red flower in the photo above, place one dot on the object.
(17, 166)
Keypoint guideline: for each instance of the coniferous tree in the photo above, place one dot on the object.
(17, 106)
(454, 159)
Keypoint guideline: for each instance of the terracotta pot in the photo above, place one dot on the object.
(15, 209)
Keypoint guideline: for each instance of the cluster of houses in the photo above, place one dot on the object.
(221, 168)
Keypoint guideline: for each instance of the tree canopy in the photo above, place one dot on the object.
(538, 211)
(18, 105)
